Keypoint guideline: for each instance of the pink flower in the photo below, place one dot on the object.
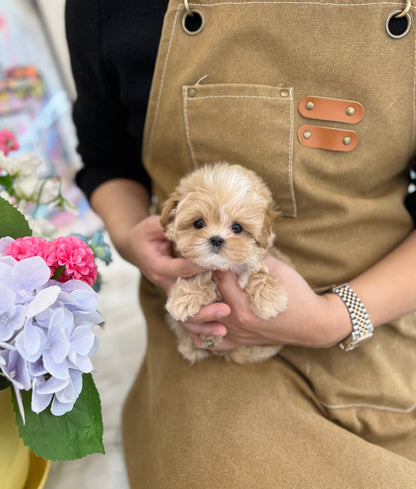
(27, 247)
(69, 256)
(8, 142)
(76, 258)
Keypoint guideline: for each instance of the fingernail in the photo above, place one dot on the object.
(220, 332)
(196, 339)
(219, 275)
(220, 314)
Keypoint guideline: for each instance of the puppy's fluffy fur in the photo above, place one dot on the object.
(220, 217)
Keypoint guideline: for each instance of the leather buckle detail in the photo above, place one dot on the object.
(331, 109)
(328, 138)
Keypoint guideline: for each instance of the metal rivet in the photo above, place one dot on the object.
(350, 111)
(347, 140)
(310, 106)
(284, 93)
(192, 92)
(307, 134)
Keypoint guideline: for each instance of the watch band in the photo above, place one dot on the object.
(362, 329)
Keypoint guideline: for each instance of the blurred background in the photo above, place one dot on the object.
(36, 94)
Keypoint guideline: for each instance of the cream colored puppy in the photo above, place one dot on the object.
(220, 217)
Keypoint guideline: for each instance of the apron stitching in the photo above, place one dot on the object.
(370, 406)
(162, 80)
(291, 188)
(290, 149)
(327, 4)
(188, 137)
(241, 96)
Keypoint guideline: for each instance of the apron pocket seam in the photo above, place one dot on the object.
(223, 136)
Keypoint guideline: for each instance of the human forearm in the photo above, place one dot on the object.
(121, 204)
(388, 289)
(124, 206)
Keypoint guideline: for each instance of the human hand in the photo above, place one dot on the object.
(310, 320)
(150, 250)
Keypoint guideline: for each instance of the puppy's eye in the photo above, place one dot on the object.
(236, 228)
(199, 224)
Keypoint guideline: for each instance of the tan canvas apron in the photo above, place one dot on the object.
(237, 91)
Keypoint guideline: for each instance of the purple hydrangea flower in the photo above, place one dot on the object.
(46, 333)
(12, 316)
(4, 243)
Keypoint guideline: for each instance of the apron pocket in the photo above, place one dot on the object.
(251, 125)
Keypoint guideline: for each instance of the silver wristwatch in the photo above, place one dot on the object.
(362, 329)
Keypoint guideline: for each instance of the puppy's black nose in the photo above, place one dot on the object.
(216, 241)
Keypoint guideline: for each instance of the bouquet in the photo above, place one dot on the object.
(48, 312)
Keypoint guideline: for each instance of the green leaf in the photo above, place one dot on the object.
(4, 383)
(12, 222)
(7, 182)
(68, 437)
(60, 270)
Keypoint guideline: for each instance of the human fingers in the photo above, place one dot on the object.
(207, 320)
(231, 292)
(164, 270)
(212, 312)
(196, 339)
(208, 329)
(224, 346)
(179, 267)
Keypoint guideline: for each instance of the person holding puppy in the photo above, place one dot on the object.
(318, 99)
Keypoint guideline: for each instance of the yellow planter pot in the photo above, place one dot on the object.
(19, 467)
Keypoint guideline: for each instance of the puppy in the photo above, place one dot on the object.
(220, 217)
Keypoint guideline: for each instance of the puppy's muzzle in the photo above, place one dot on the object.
(217, 242)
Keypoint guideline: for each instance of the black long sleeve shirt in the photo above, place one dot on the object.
(113, 46)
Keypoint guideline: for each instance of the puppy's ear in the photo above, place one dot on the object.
(169, 210)
(266, 236)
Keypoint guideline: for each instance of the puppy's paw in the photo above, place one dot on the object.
(208, 342)
(266, 298)
(190, 352)
(183, 307)
(189, 295)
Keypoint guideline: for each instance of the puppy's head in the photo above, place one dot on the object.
(219, 216)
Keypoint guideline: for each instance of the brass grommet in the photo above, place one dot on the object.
(350, 111)
(284, 93)
(196, 14)
(347, 140)
(397, 14)
(307, 134)
(310, 105)
(191, 92)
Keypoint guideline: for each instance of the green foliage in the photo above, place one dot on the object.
(4, 383)
(12, 222)
(74, 435)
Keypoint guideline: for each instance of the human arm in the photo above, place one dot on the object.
(317, 321)
(124, 205)
(112, 60)
(109, 112)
